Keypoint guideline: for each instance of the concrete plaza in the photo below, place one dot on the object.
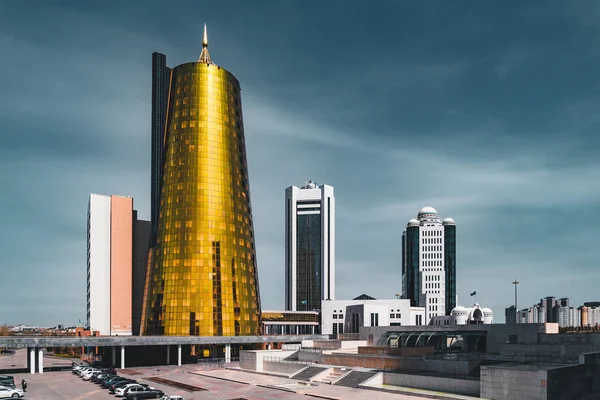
(218, 384)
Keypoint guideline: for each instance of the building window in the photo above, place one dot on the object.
(334, 316)
(374, 319)
(391, 315)
(398, 315)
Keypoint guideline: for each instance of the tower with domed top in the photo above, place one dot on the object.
(429, 263)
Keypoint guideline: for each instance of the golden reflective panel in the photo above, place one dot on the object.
(202, 277)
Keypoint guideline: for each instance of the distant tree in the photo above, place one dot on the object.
(4, 330)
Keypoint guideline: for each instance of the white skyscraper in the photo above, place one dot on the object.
(429, 263)
(309, 246)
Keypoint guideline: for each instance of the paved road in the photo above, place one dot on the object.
(67, 386)
(218, 385)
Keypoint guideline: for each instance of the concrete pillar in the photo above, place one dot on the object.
(168, 354)
(296, 329)
(114, 356)
(313, 329)
(227, 353)
(269, 346)
(282, 329)
(179, 355)
(122, 357)
(41, 361)
(32, 360)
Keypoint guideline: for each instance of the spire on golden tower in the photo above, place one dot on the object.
(204, 56)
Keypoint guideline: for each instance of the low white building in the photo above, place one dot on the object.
(347, 316)
(465, 316)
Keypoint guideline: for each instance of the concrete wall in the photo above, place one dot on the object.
(248, 360)
(544, 352)
(253, 360)
(504, 384)
(310, 356)
(349, 344)
(396, 351)
(413, 364)
(464, 387)
(282, 367)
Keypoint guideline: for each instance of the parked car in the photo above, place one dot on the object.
(80, 371)
(172, 398)
(97, 377)
(105, 378)
(131, 388)
(7, 351)
(147, 394)
(10, 393)
(88, 374)
(115, 379)
(7, 380)
(120, 384)
(77, 368)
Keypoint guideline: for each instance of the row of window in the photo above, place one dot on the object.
(432, 286)
(432, 255)
(427, 263)
(432, 233)
(338, 316)
(395, 315)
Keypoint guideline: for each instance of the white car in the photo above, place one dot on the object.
(132, 389)
(88, 374)
(172, 398)
(10, 393)
(121, 391)
(78, 368)
(81, 371)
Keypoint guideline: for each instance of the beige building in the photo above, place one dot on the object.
(112, 227)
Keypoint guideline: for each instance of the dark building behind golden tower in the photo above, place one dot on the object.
(202, 277)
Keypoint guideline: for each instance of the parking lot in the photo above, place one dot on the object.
(68, 386)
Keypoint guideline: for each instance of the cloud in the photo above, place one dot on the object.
(497, 130)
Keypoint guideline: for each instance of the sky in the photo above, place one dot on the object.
(486, 111)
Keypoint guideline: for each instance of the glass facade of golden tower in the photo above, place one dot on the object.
(202, 277)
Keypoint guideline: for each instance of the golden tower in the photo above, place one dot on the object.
(201, 277)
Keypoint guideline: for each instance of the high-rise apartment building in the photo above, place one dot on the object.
(309, 246)
(117, 247)
(202, 277)
(429, 263)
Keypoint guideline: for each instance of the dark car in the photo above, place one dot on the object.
(148, 394)
(7, 351)
(105, 379)
(7, 380)
(106, 384)
(115, 381)
(96, 376)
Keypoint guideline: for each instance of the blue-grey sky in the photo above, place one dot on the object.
(486, 111)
